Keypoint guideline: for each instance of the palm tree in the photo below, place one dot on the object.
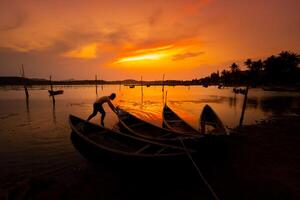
(271, 64)
(248, 63)
(234, 68)
(289, 60)
(225, 76)
(256, 66)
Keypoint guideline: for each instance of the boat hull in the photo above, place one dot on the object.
(57, 92)
(173, 122)
(118, 147)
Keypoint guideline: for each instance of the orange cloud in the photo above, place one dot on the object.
(86, 52)
(161, 56)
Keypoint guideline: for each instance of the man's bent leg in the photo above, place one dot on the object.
(102, 117)
(93, 114)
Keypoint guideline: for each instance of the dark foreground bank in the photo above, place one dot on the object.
(262, 162)
(258, 162)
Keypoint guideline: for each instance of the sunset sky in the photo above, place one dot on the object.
(124, 39)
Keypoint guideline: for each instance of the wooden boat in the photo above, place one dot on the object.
(135, 126)
(205, 85)
(117, 145)
(131, 86)
(210, 123)
(173, 122)
(55, 92)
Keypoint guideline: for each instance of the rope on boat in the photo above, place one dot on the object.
(199, 172)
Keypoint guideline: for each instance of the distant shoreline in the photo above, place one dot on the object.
(19, 81)
(28, 81)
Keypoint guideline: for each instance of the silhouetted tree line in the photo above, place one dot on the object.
(281, 69)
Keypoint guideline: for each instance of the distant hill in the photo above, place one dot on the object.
(15, 80)
(11, 80)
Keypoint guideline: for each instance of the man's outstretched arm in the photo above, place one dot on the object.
(113, 108)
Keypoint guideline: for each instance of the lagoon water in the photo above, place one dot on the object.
(35, 135)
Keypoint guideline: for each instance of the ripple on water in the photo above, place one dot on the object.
(3, 117)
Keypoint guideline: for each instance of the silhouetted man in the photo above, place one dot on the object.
(97, 107)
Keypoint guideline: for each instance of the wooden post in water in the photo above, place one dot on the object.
(24, 82)
(244, 106)
(96, 85)
(101, 83)
(142, 91)
(51, 89)
(163, 83)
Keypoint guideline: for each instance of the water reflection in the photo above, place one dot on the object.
(186, 101)
(96, 90)
(53, 113)
(27, 109)
(232, 102)
(279, 105)
(27, 106)
(27, 133)
(253, 102)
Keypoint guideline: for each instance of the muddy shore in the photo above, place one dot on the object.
(262, 161)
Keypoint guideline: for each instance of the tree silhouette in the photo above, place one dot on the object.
(289, 61)
(279, 69)
(282, 68)
(271, 64)
(248, 63)
(256, 66)
(234, 68)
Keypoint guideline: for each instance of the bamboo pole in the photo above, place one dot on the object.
(163, 83)
(51, 88)
(24, 82)
(142, 92)
(96, 85)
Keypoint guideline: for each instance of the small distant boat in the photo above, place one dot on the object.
(55, 92)
(210, 123)
(116, 145)
(131, 86)
(221, 86)
(173, 122)
(205, 85)
(135, 126)
(148, 85)
(239, 90)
